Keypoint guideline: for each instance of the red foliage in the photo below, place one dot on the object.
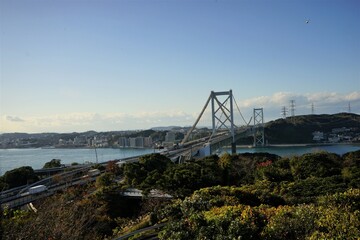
(264, 164)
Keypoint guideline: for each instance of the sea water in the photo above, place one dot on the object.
(37, 157)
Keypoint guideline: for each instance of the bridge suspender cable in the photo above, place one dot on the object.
(241, 113)
(197, 120)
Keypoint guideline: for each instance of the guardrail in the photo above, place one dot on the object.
(126, 236)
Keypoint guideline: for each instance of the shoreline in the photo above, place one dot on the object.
(51, 148)
(284, 145)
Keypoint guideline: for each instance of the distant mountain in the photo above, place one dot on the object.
(299, 129)
(168, 128)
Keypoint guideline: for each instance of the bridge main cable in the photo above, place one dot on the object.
(197, 120)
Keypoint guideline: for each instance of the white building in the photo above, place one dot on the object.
(123, 142)
(148, 142)
(132, 142)
(318, 136)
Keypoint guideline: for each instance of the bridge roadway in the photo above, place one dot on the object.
(226, 139)
(25, 197)
(209, 145)
(19, 196)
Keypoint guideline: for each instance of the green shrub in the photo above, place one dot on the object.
(320, 164)
(19, 177)
(53, 163)
(290, 222)
(349, 199)
(307, 190)
(337, 223)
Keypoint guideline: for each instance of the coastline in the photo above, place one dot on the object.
(284, 145)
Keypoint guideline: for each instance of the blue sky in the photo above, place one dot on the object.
(115, 65)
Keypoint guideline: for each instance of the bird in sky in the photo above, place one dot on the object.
(307, 21)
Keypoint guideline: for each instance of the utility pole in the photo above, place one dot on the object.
(292, 110)
(349, 108)
(96, 155)
(312, 109)
(284, 112)
(292, 107)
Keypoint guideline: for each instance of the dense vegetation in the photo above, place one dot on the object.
(54, 163)
(18, 177)
(24, 175)
(244, 196)
(299, 129)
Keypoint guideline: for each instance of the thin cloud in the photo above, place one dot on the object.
(323, 102)
(101, 122)
(320, 102)
(283, 98)
(14, 119)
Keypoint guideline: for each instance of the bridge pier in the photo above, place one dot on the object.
(233, 148)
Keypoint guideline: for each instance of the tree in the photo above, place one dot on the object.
(53, 163)
(19, 176)
(290, 222)
(337, 223)
(351, 168)
(67, 216)
(320, 164)
(155, 161)
(113, 167)
(225, 160)
(181, 180)
(150, 167)
(104, 180)
(307, 190)
(275, 172)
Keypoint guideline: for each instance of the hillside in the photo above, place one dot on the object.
(249, 196)
(299, 129)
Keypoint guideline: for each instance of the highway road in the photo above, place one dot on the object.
(19, 196)
(25, 198)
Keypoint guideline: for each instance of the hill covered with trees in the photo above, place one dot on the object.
(299, 129)
(247, 196)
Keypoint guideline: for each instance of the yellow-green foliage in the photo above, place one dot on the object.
(337, 223)
(233, 221)
(290, 222)
(206, 215)
(349, 198)
(225, 161)
(134, 225)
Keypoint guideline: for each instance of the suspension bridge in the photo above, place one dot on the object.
(224, 133)
(224, 130)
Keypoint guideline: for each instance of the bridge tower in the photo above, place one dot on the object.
(220, 109)
(259, 138)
